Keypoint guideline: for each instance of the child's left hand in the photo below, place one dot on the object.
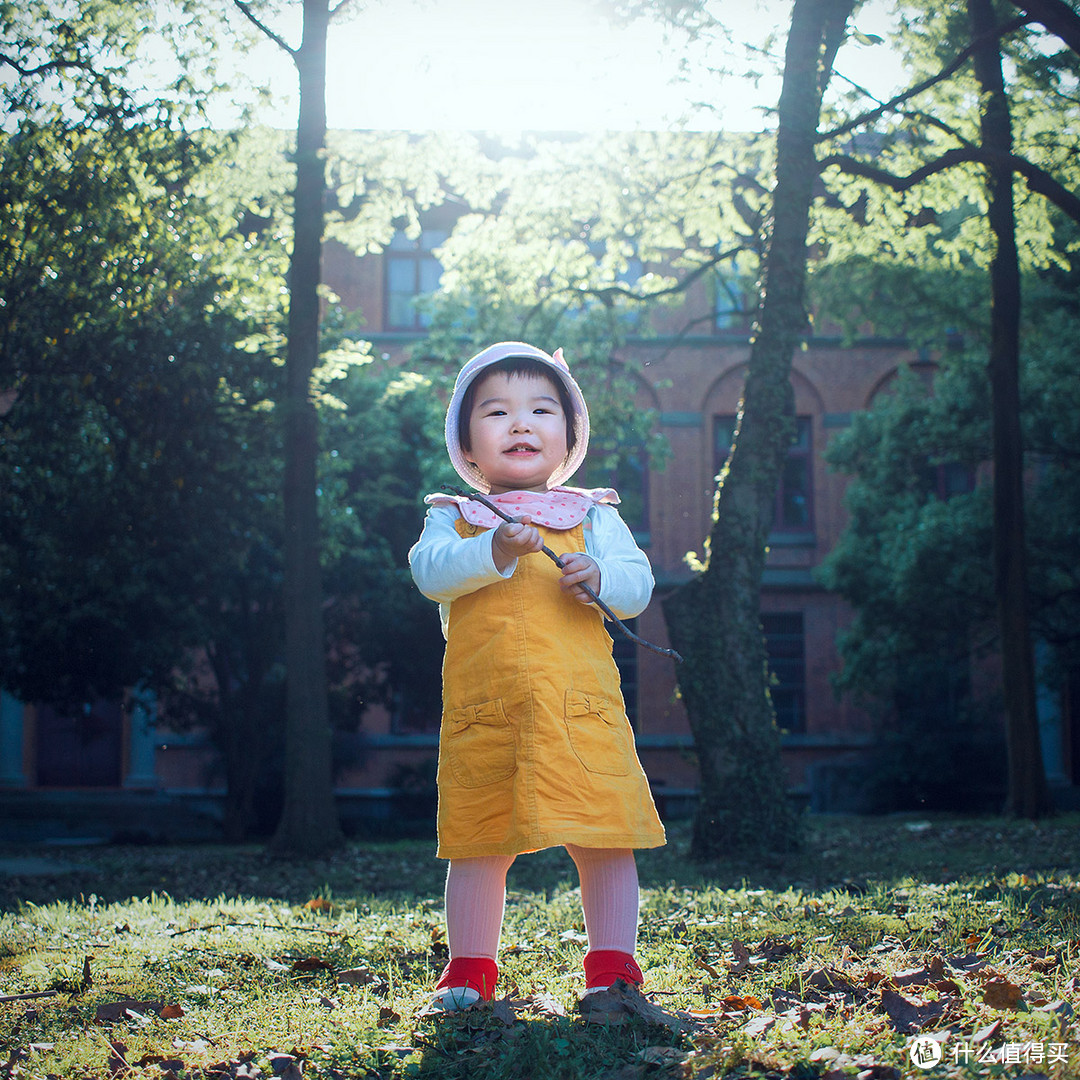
(579, 569)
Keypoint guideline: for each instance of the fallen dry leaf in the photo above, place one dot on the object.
(387, 1016)
(742, 958)
(1000, 993)
(798, 1018)
(759, 1025)
(620, 1002)
(772, 949)
(736, 1003)
(310, 963)
(706, 966)
(359, 976)
(503, 1009)
(969, 962)
(543, 1005)
(663, 1055)
(924, 976)
(126, 1009)
(909, 1015)
(829, 981)
(987, 1032)
(117, 1063)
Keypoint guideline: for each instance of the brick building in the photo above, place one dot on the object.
(693, 383)
(110, 758)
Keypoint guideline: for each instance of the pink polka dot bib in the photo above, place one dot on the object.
(559, 508)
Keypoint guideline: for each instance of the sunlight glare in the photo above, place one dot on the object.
(564, 65)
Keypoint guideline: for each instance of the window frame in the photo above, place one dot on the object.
(788, 694)
(404, 251)
(800, 450)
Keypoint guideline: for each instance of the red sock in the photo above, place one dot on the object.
(476, 972)
(604, 966)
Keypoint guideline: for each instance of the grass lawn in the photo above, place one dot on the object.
(213, 961)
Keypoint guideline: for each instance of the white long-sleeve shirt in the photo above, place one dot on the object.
(446, 565)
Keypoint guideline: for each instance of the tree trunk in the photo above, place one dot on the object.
(714, 619)
(1028, 794)
(309, 820)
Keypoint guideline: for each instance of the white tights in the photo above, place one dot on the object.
(476, 898)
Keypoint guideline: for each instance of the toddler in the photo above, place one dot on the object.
(535, 749)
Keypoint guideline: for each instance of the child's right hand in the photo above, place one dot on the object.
(512, 540)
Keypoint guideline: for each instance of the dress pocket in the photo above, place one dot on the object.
(480, 744)
(599, 734)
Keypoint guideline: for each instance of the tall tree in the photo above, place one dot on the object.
(714, 619)
(309, 820)
(1028, 794)
(993, 150)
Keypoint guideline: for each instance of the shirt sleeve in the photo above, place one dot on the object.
(626, 578)
(446, 565)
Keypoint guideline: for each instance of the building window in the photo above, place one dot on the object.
(728, 302)
(786, 649)
(794, 508)
(412, 271)
(946, 480)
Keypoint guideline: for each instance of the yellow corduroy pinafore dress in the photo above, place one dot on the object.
(535, 748)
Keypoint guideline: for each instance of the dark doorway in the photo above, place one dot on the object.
(80, 747)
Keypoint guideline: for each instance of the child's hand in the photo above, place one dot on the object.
(512, 540)
(578, 569)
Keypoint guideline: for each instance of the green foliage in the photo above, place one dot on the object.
(914, 560)
(118, 358)
(382, 453)
(107, 63)
(581, 243)
(941, 220)
(907, 552)
(141, 336)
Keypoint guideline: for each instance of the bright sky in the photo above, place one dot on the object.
(527, 65)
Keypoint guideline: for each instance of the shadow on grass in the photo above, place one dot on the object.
(477, 1045)
(838, 852)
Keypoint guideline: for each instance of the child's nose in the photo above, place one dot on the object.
(522, 421)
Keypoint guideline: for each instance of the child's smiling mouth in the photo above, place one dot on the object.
(521, 448)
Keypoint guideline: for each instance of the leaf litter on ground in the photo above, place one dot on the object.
(775, 968)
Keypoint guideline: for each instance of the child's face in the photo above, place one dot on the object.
(517, 429)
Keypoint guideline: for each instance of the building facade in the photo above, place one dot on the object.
(124, 758)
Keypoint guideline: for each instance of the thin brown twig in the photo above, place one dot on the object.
(257, 926)
(30, 997)
(626, 631)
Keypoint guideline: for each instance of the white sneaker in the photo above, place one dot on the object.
(453, 999)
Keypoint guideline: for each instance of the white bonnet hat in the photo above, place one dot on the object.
(557, 366)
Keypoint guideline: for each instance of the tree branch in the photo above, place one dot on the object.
(950, 69)
(43, 69)
(1038, 180)
(1057, 17)
(263, 28)
(855, 167)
